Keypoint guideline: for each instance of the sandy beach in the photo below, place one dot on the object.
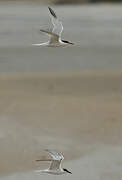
(78, 114)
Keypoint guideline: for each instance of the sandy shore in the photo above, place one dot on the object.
(78, 114)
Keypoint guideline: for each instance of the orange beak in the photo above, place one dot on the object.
(71, 43)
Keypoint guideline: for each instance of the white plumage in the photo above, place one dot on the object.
(55, 166)
(55, 34)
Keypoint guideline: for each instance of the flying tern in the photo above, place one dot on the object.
(55, 35)
(55, 166)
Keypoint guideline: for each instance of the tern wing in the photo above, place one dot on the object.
(53, 37)
(55, 155)
(56, 164)
(57, 158)
(58, 27)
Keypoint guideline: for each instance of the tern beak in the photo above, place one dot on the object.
(69, 172)
(71, 43)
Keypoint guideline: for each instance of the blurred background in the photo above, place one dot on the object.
(67, 1)
(66, 99)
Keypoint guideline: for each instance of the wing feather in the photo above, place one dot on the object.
(55, 165)
(58, 27)
(55, 155)
(52, 12)
(56, 161)
(53, 37)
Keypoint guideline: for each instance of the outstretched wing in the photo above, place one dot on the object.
(57, 158)
(55, 155)
(49, 33)
(55, 164)
(58, 27)
(53, 37)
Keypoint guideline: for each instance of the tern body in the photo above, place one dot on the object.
(55, 166)
(55, 35)
(53, 172)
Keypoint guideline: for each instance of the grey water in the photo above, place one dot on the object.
(96, 31)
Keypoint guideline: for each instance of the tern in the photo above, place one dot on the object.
(55, 166)
(55, 35)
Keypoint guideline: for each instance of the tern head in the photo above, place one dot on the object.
(67, 171)
(67, 42)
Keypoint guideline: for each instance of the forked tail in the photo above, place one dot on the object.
(41, 44)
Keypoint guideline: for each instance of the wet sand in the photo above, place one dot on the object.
(78, 114)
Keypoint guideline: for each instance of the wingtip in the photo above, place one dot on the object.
(41, 30)
(49, 8)
(52, 12)
(48, 150)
